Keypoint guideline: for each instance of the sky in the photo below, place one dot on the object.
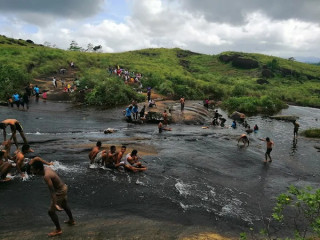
(284, 28)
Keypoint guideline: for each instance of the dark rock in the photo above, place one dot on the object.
(262, 81)
(29, 41)
(245, 63)
(267, 73)
(228, 58)
(148, 54)
(237, 116)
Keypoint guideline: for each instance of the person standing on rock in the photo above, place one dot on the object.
(54, 82)
(182, 100)
(58, 191)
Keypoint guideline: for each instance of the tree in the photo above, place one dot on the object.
(74, 46)
(291, 59)
(97, 48)
(89, 47)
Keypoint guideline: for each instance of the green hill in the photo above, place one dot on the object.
(245, 82)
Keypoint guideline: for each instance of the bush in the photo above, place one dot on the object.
(12, 80)
(251, 105)
(312, 133)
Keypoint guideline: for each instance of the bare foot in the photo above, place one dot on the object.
(55, 233)
(70, 222)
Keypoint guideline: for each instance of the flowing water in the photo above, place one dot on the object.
(196, 177)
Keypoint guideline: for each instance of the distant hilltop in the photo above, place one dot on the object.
(246, 82)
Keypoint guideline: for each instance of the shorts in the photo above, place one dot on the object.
(61, 194)
(268, 150)
(26, 168)
(98, 158)
(18, 127)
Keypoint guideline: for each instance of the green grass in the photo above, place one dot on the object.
(312, 133)
(173, 72)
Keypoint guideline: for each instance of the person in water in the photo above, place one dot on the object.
(132, 162)
(14, 125)
(255, 128)
(6, 146)
(270, 144)
(244, 138)
(182, 101)
(5, 167)
(119, 161)
(96, 154)
(296, 128)
(111, 158)
(23, 166)
(128, 113)
(234, 124)
(58, 191)
(165, 117)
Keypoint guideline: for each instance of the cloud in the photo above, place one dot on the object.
(73, 9)
(235, 12)
(168, 23)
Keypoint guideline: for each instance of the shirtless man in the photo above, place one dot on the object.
(132, 163)
(111, 158)
(96, 154)
(21, 166)
(58, 191)
(119, 161)
(244, 138)
(14, 125)
(296, 128)
(6, 146)
(182, 100)
(4, 167)
(165, 117)
(269, 148)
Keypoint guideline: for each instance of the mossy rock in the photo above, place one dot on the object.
(267, 73)
(285, 117)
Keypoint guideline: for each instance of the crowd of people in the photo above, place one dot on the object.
(114, 159)
(18, 163)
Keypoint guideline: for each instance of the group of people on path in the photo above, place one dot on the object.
(114, 159)
(19, 164)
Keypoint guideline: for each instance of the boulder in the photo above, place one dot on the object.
(237, 116)
(245, 63)
(29, 41)
(267, 73)
(289, 118)
(228, 58)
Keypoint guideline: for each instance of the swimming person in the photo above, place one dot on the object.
(14, 125)
(244, 138)
(165, 117)
(269, 148)
(58, 191)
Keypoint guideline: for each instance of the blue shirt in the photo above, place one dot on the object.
(128, 112)
(36, 89)
(15, 97)
(135, 109)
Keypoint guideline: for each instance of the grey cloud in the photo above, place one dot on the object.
(235, 11)
(62, 8)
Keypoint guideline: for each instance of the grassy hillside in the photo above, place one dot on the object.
(248, 82)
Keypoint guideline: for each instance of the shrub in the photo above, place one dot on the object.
(312, 133)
